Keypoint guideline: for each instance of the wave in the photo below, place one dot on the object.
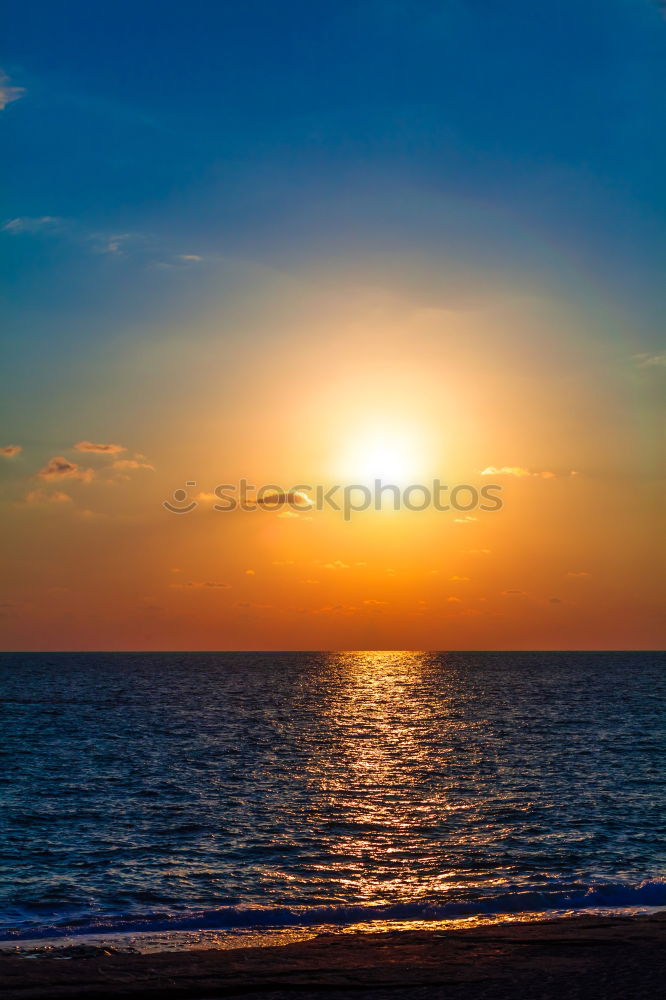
(650, 893)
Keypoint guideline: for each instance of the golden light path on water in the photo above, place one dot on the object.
(386, 711)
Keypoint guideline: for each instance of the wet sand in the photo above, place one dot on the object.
(620, 958)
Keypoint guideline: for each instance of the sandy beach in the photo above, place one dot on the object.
(602, 957)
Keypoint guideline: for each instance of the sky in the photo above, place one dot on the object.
(313, 244)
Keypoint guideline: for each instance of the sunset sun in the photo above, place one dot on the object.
(394, 455)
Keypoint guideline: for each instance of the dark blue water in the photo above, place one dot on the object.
(143, 791)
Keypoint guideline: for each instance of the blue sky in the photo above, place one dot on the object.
(516, 143)
(222, 123)
(420, 143)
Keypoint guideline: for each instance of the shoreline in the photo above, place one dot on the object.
(277, 935)
(619, 957)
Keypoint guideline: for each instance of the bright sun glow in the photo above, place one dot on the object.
(390, 455)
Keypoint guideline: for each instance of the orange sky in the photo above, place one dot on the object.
(354, 381)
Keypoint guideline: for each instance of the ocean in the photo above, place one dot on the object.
(173, 792)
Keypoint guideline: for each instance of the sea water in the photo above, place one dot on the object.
(198, 792)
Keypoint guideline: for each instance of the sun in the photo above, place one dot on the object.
(390, 454)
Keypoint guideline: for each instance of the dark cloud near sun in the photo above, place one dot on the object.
(294, 497)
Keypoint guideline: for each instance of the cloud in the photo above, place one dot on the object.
(61, 468)
(112, 243)
(334, 609)
(128, 464)
(98, 243)
(580, 573)
(505, 470)
(514, 593)
(464, 520)
(371, 602)
(554, 600)
(454, 600)
(459, 578)
(10, 450)
(31, 224)
(298, 497)
(288, 514)
(249, 572)
(126, 245)
(200, 584)
(100, 449)
(95, 242)
(283, 562)
(479, 552)
(650, 360)
(252, 604)
(520, 472)
(8, 94)
(44, 496)
(338, 564)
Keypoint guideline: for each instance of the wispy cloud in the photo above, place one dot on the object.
(111, 243)
(579, 573)
(31, 224)
(102, 449)
(520, 472)
(114, 243)
(334, 609)
(650, 360)
(10, 450)
(201, 585)
(8, 94)
(55, 225)
(505, 470)
(47, 496)
(130, 464)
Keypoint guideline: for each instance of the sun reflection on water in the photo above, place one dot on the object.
(385, 798)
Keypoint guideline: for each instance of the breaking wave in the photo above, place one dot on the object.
(650, 893)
